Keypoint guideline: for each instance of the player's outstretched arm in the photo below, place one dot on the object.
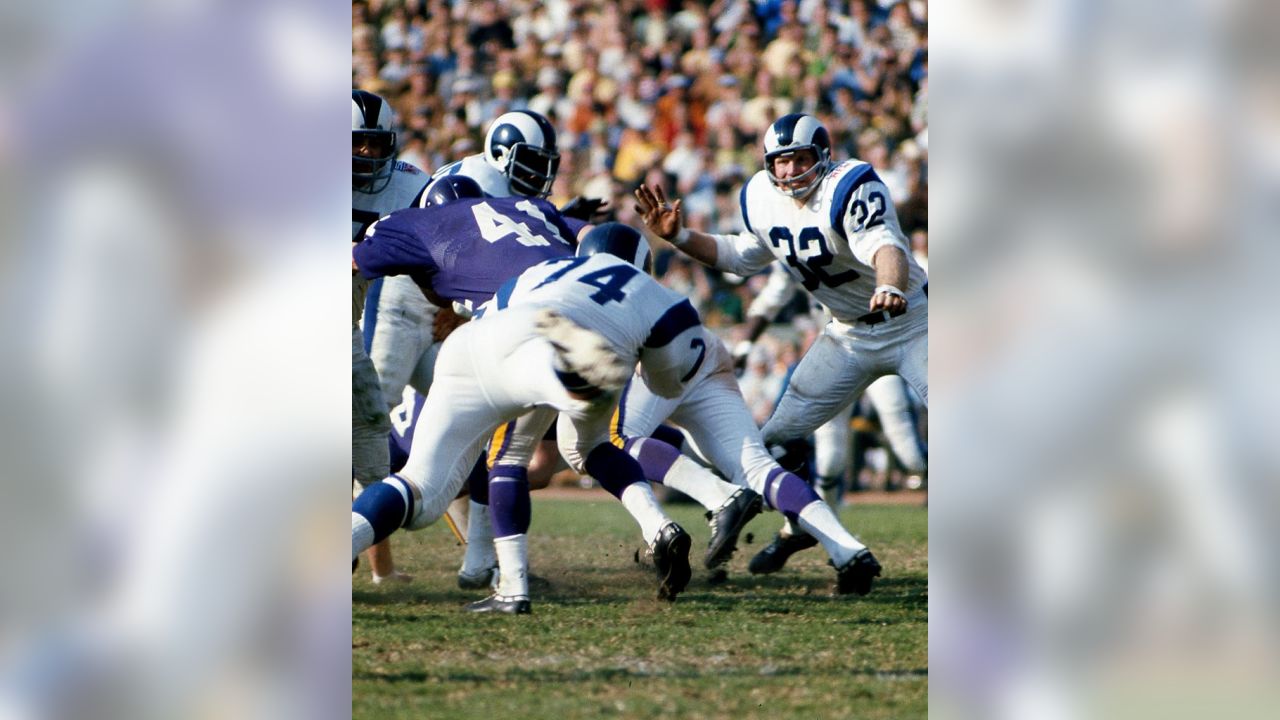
(891, 280)
(667, 222)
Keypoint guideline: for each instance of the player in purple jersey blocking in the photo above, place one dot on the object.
(462, 248)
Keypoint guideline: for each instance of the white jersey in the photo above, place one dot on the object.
(492, 182)
(827, 243)
(406, 183)
(640, 319)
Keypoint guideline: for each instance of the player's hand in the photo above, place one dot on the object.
(884, 300)
(445, 322)
(584, 208)
(662, 218)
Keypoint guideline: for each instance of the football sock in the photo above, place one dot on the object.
(381, 509)
(639, 500)
(613, 468)
(480, 553)
(664, 464)
(820, 521)
(509, 507)
(361, 535)
(513, 565)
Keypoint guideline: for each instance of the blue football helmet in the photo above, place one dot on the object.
(620, 241)
(444, 190)
(792, 133)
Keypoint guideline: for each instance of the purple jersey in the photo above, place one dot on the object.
(465, 250)
(403, 419)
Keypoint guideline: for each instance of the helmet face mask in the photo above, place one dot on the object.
(532, 170)
(789, 136)
(522, 146)
(372, 159)
(373, 142)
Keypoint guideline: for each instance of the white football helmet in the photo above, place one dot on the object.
(789, 134)
(522, 146)
(373, 142)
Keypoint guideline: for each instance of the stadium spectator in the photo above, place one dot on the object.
(670, 91)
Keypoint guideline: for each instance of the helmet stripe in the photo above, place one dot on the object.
(545, 127)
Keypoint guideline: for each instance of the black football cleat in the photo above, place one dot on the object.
(495, 603)
(671, 561)
(775, 554)
(727, 523)
(856, 575)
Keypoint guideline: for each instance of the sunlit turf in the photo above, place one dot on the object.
(598, 644)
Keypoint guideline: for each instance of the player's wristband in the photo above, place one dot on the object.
(681, 239)
(890, 290)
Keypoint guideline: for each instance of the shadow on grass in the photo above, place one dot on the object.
(616, 674)
(785, 592)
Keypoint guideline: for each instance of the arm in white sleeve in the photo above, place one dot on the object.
(872, 223)
(742, 254)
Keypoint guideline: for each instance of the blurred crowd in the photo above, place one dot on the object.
(665, 92)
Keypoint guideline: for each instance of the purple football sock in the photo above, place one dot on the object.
(787, 493)
(509, 508)
(613, 468)
(655, 457)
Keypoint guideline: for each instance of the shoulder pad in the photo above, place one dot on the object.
(402, 166)
(450, 169)
(847, 177)
(756, 180)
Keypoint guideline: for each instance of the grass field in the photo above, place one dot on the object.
(599, 645)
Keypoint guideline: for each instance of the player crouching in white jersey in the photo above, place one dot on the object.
(836, 230)
(561, 345)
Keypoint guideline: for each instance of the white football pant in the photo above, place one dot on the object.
(843, 362)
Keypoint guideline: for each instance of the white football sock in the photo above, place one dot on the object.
(480, 553)
(818, 520)
(699, 483)
(513, 565)
(639, 500)
(361, 535)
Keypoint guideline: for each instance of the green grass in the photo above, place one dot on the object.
(599, 645)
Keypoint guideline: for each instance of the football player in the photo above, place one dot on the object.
(565, 337)
(379, 184)
(831, 441)
(711, 409)
(519, 160)
(833, 228)
(460, 252)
